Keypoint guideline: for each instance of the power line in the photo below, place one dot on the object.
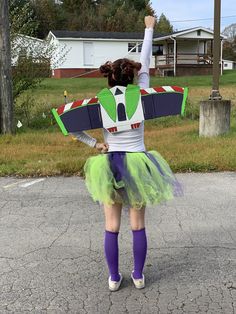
(205, 19)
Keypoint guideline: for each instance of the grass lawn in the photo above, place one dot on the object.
(46, 151)
(43, 153)
(51, 90)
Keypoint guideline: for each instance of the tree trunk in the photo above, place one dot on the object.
(6, 98)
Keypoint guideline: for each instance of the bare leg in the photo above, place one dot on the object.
(112, 217)
(137, 218)
(137, 221)
(112, 226)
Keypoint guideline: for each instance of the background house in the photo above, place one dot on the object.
(86, 51)
(229, 65)
(23, 45)
(186, 52)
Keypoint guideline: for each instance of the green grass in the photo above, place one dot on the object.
(51, 90)
(43, 153)
(46, 152)
(228, 78)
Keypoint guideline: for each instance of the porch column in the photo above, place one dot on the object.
(167, 51)
(198, 57)
(174, 55)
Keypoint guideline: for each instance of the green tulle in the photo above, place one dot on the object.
(144, 183)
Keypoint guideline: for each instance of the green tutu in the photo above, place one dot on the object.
(133, 179)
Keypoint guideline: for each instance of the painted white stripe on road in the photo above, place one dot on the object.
(31, 183)
(13, 184)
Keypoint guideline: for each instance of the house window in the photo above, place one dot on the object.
(199, 32)
(131, 47)
(225, 65)
(140, 47)
(157, 50)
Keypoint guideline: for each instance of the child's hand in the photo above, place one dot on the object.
(149, 21)
(102, 147)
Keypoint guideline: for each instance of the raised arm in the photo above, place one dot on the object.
(143, 74)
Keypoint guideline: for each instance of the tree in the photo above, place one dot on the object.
(22, 18)
(49, 15)
(106, 15)
(163, 25)
(30, 56)
(229, 49)
(230, 32)
(6, 101)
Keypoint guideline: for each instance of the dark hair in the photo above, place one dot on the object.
(120, 72)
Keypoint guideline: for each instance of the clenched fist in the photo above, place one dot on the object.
(149, 21)
(102, 147)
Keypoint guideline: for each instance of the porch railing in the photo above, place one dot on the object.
(185, 58)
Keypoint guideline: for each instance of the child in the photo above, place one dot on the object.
(126, 173)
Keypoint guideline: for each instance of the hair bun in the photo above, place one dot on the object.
(138, 66)
(106, 68)
(120, 72)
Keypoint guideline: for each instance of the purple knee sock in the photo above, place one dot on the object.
(139, 251)
(112, 254)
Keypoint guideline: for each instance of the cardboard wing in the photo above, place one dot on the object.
(163, 101)
(78, 116)
(118, 112)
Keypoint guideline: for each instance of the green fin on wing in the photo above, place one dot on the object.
(108, 102)
(184, 101)
(132, 96)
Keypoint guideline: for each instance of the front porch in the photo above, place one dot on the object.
(184, 53)
(184, 64)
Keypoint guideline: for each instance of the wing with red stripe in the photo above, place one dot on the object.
(86, 115)
(163, 101)
(78, 116)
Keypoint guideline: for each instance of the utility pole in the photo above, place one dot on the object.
(6, 97)
(215, 112)
(215, 93)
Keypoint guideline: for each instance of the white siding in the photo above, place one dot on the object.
(186, 49)
(103, 51)
(29, 46)
(204, 35)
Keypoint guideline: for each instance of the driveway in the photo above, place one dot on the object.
(52, 261)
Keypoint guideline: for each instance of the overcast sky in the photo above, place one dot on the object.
(179, 10)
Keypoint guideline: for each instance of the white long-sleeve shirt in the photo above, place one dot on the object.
(130, 140)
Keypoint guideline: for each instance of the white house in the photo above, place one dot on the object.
(229, 65)
(23, 45)
(86, 51)
(186, 52)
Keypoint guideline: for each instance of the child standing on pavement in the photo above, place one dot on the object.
(126, 173)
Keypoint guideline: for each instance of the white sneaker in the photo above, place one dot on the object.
(139, 283)
(114, 285)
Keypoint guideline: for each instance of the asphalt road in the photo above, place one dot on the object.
(51, 250)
